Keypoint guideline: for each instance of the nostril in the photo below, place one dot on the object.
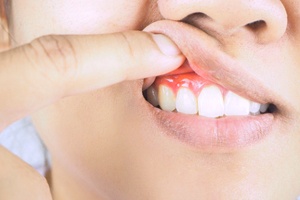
(196, 19)
(257, 25)
(194, 16)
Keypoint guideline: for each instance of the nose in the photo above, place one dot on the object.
(266, 20)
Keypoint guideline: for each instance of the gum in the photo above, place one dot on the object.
(191, 81)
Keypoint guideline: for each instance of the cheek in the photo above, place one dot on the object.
(87, 122)
(75, 17)
(93, 135)
(89, 131)
(99, 16)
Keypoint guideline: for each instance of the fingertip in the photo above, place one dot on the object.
(173, 58)
(166, 45)
(168, 65)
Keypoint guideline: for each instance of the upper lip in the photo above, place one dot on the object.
(206, 58)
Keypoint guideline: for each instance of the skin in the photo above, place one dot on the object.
(104, 145)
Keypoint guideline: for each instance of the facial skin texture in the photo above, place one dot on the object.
(105, 146)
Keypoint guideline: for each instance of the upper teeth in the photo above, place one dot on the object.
(186, 101)
(236, 105)
(166, 98)
(209, 103)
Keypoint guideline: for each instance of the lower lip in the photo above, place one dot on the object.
(214, 134)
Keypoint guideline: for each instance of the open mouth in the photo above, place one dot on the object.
(211, 102)
(206, 115)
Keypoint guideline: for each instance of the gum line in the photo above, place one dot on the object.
(191, 81)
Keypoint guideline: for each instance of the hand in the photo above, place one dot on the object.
(52, 67)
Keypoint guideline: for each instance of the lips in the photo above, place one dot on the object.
(206, 59)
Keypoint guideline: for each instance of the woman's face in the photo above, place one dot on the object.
(113, 144)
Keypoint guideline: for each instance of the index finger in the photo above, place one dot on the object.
(52, 67)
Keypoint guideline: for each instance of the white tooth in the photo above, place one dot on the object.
(210, 102)
(152, 96)
(166, 98)
(186, 101)
(263, 108)
(254, 108)
(236, 105)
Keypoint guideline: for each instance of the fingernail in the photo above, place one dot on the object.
(166, 45)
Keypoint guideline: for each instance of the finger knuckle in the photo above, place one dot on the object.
(126, 42)
(130, 50)
(52, 55)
